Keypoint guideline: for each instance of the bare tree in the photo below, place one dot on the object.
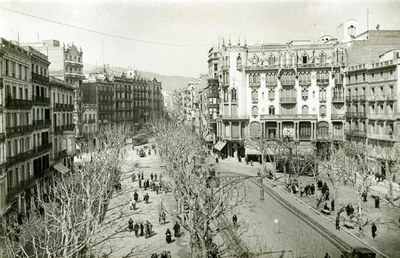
(69, 207)
(203, 197)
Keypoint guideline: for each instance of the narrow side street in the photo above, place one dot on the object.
(118, 240)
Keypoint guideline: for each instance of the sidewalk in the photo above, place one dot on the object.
(388, 237)
(116, 240)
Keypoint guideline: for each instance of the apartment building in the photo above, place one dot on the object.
(372, 109)
(62, 132)
(292, 91)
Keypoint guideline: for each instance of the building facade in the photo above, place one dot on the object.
(294, 90)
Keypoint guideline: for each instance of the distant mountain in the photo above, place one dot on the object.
(169, 83)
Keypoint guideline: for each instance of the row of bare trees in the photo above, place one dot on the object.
(203, 197)
(67, 209)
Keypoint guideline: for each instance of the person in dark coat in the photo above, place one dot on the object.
(151, 176)
(177, 228)
(141, 229)
(364, 196)
(142, 175)
(333, 205)
(140, 183)
(337, 223)
(168, 236)
(136, 196)
(377, 202)
(312, 187)
(234, 220)
(373, 229)
(136, 229)
(130, 224)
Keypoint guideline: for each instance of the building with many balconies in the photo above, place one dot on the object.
(292, 90)
(373, 112)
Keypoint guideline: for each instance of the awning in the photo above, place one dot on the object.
(77, 147)
(251, 151)
(219, 146)
(61, 168)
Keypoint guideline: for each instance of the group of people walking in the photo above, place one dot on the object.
(140, 228)
(177, 233)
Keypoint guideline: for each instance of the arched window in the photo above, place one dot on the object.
(233, 94)
(322, 58)
(305, 58)
(323, 128)
(254, 111)
(322, 110)
(271, 60)
(254, 94)
(304, 110)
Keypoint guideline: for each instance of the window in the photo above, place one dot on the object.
(271, 110)
(271, 93)
(254, 94)
(271, 79)
(304, 93)
(271, 60)
(254, 111)
(215, 67)
(322, 94)
(322, 58)
(225, 95)
(322, 110)
(304, 110)
(233, 94)
(305, 59)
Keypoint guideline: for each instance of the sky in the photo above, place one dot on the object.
(173, 37)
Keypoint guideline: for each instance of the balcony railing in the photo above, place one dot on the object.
(43, 147)
(20, 157)
(289, 116)
(324, 137)
(284, 100)
(234, 117)
(60, 154)
(384, 97)
(356, 133)
(338, 99)
(338, 117)
(383, 137)
(17, 130)
(38, 124)
(381, 117)
(322, 81)
(41, 100)
(37, 78)
(18, 103)
(74, 63)
(356, 114)
(19, 188)
(62, 128)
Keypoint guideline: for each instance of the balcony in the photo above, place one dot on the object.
(323, 137)
(288, 100)
(322, 81)
(18, 189)
(43, 148)
(338, 99)
(382, 137)
(20, 157)
(60, 154)
(289, 117)
(384, 97)
(356, 133)
(19, 130)
(74, 63)
(356, 115)
(62, 128)
(39, 124)
(37, 78)
(338, 117)
(23, 104)
(41, 100)
(74, 75)
(381, 117)
(255, 84)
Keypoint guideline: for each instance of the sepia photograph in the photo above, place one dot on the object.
(199, 129)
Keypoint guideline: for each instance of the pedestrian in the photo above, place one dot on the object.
(164, 216)
(364, 196)
(176, 229)
(234, 220)
(140, 183)
(327, 195)
(141, 229)
(373, 229)
(142, 175)
(337, 223)
(147, 198)
(133, 205)
(136, 229)
(136, 196)
(133, 177)
(130, 224)
(151, 176)
(333, 204)
(302, 190)
(216, 159)
(148, 229)
(168, 236)
(377, 202)
(312, 187)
